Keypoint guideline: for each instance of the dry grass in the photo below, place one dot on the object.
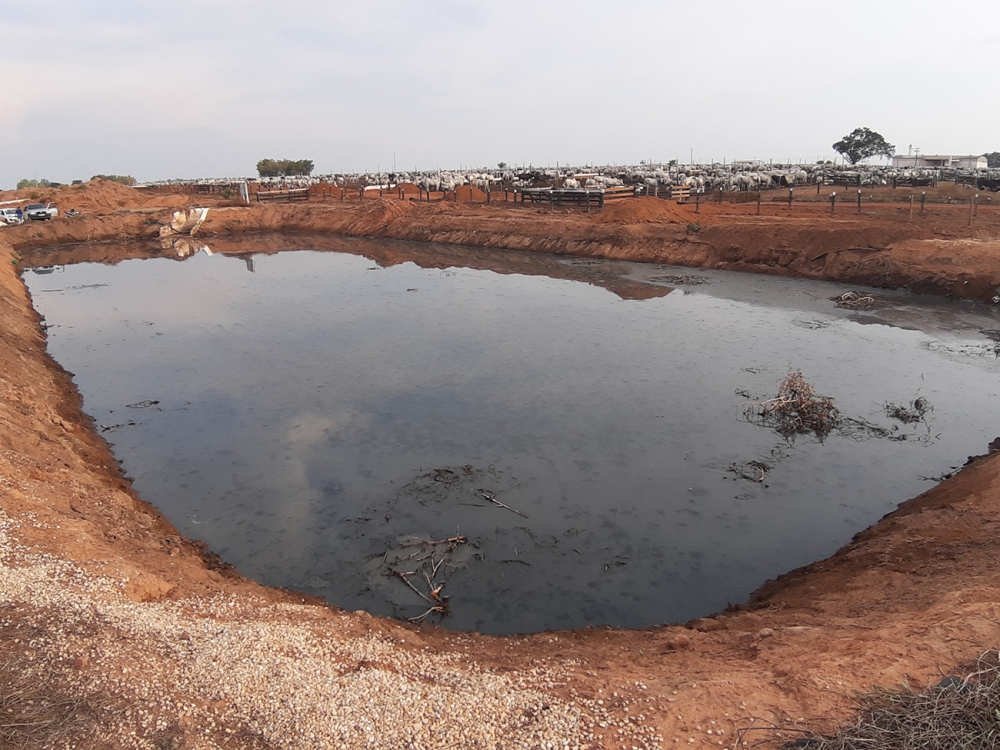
(797, 409)
(36, 711)
(957, 714)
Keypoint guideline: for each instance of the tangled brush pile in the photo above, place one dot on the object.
(797, 409)
(956, 714)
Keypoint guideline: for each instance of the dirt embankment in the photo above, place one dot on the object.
(140, 638)
(938, 252)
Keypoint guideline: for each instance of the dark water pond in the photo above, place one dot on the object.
(552, 453)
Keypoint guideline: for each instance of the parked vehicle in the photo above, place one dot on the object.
(41, 211)
(11, 216)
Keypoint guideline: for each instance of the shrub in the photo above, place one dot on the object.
(124, 179)
(33, 184)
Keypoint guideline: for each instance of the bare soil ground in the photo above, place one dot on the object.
(116, 632)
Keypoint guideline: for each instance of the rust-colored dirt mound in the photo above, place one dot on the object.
(470, 193)
(99, 197)
(643, 210)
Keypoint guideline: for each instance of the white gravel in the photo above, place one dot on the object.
(216, 669)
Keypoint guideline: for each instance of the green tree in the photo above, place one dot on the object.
(993, 159)
(284, 167)
(861, 144)
(33, 184)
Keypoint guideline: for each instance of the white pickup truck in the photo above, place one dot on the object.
(41, 211)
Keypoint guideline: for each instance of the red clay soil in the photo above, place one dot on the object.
(99, 197)
(644, 211)
(937, 252)
(909, 599)
(470, 193)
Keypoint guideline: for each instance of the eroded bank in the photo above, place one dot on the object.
(115, 605)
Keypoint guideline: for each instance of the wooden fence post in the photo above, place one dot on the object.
(790, 192)
(923, 200)
(697, 203)
(833, 202)
(760, 194)
(911, 207)
(859, 200)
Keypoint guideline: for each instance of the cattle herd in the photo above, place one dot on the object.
(735, 176)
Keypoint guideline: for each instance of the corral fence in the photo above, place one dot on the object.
(287, 196)
(843, 196)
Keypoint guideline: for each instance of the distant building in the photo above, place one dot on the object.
(938, 161)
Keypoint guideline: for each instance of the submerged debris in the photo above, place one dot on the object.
(797, 409)
(118, 426)
(141, 404)
(755, 471)
(855, 301)
(424, 565)
(990, 349)
(492, 497)
(910, 414)
(680, 279)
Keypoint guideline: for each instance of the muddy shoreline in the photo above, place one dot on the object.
(939, 254)
(910, 596)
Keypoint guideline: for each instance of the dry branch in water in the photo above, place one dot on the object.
(908, 414)
(492, 497)
(431, 558)
(797, 409)
(854, 301)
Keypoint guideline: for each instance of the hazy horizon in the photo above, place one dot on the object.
(177, 89)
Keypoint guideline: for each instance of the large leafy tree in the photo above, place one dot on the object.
(284, 167)
(861, 144)
(993, 159)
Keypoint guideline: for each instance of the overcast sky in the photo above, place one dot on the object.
(178, 88)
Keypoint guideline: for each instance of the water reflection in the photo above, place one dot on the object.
(184, 246)
(331, 428)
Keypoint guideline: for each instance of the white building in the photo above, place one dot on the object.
(939, 161)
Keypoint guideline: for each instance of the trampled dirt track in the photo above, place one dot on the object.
(147, 638)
